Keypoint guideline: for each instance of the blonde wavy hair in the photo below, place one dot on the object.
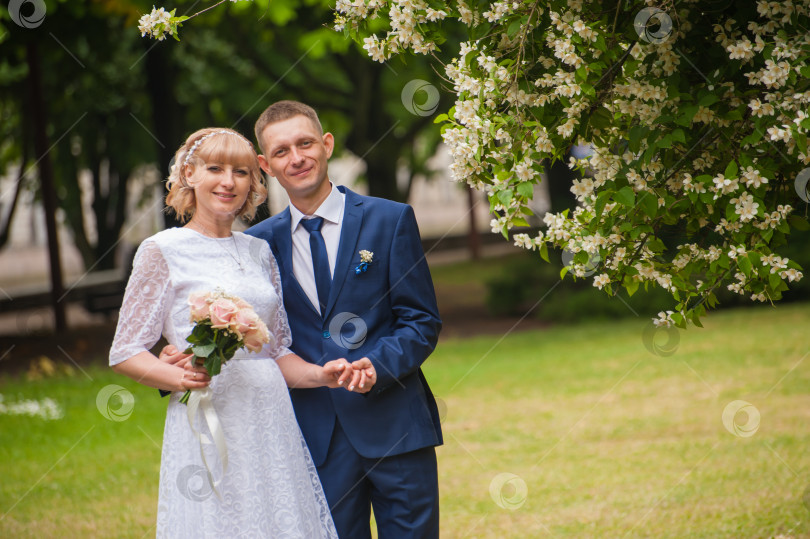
(213, 145)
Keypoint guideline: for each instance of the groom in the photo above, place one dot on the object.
(356, 285)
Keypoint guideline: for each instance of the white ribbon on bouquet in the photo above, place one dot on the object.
(201, 399)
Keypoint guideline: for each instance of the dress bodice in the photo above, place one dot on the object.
(172, 264)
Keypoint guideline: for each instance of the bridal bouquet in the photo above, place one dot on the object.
(224, 324)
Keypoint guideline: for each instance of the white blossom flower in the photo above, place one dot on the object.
(601, 280)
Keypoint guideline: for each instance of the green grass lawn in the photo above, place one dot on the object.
(603, 437)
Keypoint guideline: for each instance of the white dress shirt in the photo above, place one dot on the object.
(331, 210)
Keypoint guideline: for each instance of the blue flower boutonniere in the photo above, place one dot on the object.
(365, 259)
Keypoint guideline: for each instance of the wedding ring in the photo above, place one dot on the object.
(195, 375)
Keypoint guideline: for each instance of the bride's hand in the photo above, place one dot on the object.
(194, 377)
(358, 377)
(333, 371)
(364, 375)
(171, 355)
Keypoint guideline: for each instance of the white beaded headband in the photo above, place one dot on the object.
(209, 135)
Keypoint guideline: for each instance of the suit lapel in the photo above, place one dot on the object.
(349, 233)
(283, 239)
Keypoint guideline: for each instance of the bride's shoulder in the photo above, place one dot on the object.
(253, 241)
(171, 235)
(169, 238)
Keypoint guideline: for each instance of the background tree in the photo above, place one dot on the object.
(696, 114)
(117, 103)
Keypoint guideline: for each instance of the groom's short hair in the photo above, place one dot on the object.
(284, 110)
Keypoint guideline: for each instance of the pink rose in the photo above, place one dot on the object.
(198, 302)
(242, 304)
(222, 311)
(243, 321)
(255, 339)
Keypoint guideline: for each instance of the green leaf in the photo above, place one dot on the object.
(636, 135)
(798, 222)
(774, 280)
(625, 196)
(525, 189)
(213, 365)
(544, 251)
(514, 26)
(203, 350)
(649, 204)
(745, 265)
(708, 100)
(801, 141)
(601, 201)
(440, 118)
(631, 285)
(687, 114)
(656, 245)
(731, 213)
(519, 221)
(505, 196)
(753, 138)
(731, 170)
(600, 118)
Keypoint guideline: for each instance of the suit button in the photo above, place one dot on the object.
(326, 335)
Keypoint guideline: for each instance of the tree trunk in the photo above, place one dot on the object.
(372, 137)
(41, 149)
(166, 116)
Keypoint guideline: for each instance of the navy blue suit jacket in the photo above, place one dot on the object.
(387, 313)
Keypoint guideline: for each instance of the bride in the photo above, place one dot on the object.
(270, 487)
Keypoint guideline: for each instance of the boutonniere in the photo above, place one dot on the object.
(365, 259)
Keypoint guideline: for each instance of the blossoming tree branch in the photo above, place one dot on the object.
(695, 113)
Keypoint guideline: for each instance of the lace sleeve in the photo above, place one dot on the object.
(279, 326)
(147, 301)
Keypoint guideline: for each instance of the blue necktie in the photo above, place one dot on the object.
(320, 260)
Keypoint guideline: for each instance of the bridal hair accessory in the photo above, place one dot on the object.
(209, 135)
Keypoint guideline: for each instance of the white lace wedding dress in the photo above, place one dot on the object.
(270, 488)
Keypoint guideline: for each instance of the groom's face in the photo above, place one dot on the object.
(296, 154)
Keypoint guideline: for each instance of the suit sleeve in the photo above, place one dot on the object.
(413, 304)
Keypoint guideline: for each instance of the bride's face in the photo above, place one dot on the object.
(220, 189)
